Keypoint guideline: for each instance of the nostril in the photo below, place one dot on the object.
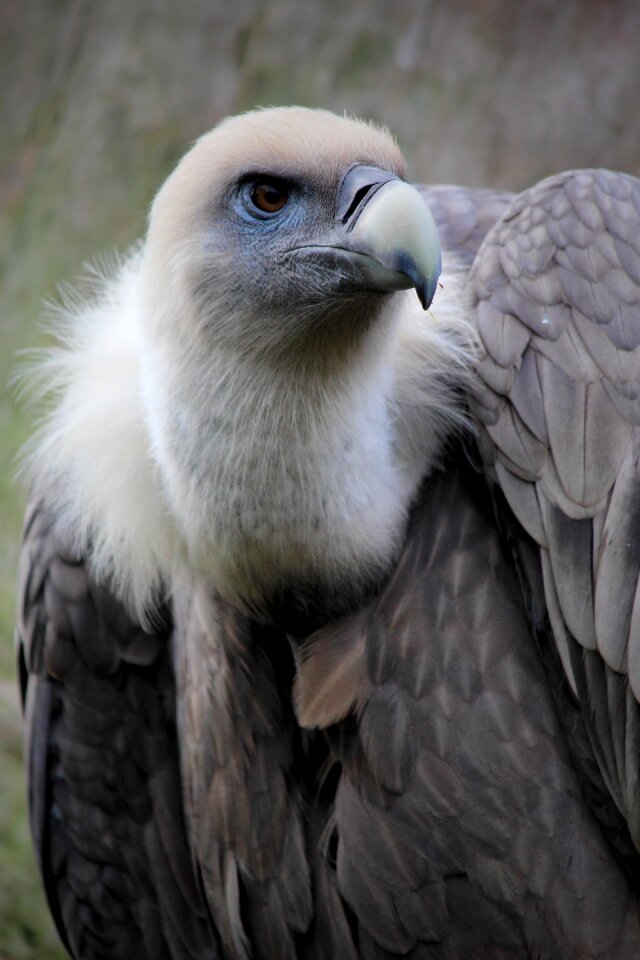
(358, 185)
(357, 200)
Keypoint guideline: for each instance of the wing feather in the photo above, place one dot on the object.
(457, 765)
(243, 804)
(103, 782)
(575, 385)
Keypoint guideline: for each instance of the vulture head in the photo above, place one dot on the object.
(280, 223)
(286, 389)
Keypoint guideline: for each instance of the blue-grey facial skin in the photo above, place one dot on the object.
(309, 253)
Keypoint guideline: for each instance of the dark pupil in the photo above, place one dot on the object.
(269, 197)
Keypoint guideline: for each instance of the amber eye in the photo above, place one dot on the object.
(269, 196)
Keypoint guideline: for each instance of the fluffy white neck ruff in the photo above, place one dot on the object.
(162, 460)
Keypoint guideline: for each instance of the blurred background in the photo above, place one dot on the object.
(99, 100)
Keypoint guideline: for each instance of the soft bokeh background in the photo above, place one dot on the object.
(100, 99)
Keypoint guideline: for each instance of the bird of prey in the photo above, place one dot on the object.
(328, 629)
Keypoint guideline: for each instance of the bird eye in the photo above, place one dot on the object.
(269, 196)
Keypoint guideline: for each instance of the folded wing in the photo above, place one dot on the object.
(556, 288)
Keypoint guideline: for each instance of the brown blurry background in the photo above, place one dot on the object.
(98, 101)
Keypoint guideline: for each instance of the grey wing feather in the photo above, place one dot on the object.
(243, 804)
(460, 827)
(557, 293)
(464, 215)
(103, 781)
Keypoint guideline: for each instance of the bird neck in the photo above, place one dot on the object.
(281, 477)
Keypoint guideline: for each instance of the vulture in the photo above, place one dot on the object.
(328, 621)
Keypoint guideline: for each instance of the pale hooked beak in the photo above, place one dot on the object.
(388, 221)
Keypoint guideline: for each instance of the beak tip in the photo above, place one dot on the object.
(426, 282)
(426, 292)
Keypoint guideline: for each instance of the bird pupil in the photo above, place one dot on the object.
(269, 196)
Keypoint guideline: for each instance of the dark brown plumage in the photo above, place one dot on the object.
(449, 771)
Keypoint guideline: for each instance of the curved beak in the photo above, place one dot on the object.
(384, 237)
(395, 229)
